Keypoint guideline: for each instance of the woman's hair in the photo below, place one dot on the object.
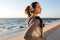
(30, 10)
(27, 11)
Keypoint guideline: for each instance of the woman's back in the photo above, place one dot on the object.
(33, 25)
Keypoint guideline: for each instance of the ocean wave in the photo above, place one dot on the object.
(3, 29)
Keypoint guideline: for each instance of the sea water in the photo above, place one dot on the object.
(10, 26)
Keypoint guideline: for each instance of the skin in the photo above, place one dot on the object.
(37, 10)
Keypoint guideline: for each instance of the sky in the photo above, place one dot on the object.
(15, 8)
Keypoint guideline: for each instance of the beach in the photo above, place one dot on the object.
(51, 32)
(17, 16)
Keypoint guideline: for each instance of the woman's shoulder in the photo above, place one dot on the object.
(37, 18)
(33, 19)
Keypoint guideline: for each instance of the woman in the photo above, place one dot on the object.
(33, 23)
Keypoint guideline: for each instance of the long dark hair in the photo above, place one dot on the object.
(28, 11)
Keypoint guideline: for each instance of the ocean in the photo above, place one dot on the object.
(10, 26)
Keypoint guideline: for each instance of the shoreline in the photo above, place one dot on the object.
(48, 30)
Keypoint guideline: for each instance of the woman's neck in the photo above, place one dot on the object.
(35, 14)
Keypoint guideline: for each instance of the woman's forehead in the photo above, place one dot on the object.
(37, 5)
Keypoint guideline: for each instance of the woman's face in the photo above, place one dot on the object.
(38, 8)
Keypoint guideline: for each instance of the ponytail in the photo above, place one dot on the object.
(27, 11)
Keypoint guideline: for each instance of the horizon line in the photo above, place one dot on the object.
(25, 17)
